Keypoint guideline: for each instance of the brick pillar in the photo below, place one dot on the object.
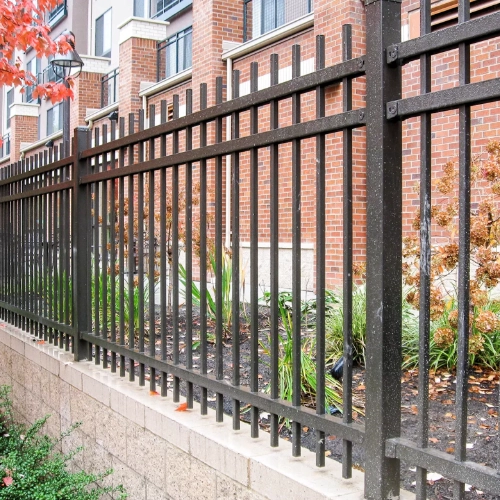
(23, 128)
(87, 90)
(213, 22)
(138, 41)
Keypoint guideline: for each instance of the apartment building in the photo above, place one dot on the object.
(140, 52)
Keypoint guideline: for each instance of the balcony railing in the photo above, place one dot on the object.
(174, 54)
(109, 88)
(57, 13)
(165, 9)
(5, 149)
(262, 16)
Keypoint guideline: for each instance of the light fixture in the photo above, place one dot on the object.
(113, 116)
(49, 143)
(69, 64)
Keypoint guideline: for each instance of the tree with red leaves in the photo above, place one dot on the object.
(22, 27)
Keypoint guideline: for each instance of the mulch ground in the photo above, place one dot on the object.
(483, 442)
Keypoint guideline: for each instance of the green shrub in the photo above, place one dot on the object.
(334, 325)
(484, 338)
(32, 469)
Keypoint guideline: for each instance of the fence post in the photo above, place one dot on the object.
(81, 230)
(383, 281)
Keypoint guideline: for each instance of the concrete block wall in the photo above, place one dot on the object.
(156, 452)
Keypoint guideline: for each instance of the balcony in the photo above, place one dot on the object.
(166, 9)
(109, 88)
(174, 54)
(57, 13)
(5, 148)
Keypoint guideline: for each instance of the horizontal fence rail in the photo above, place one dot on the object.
(120, 252)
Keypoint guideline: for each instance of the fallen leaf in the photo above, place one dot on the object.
(328, 453)
(154, 393)
(450, 450)
(305, 429)
(182, 407)
(434, 440)
(40, 341)
(8, 480)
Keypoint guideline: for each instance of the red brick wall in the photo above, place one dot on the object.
(23, 129)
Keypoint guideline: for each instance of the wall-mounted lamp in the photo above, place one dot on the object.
(113, 116)
(49, 143)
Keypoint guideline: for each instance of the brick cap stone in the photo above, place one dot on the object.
(24, 109)
(137, 27)
(94, 64)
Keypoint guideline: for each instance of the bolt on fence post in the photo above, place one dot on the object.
(384, 280)
(81, 231)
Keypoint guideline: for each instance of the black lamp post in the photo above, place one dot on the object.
(67, 65)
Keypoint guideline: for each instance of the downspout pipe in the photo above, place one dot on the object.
(229, 86)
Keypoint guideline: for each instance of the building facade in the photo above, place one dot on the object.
(138, 53)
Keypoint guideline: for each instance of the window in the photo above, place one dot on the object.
(103, 35)
(33, 67)
(166, 9)
(5, 148)
(57, 13)
(139, 8)
(54, 119)
(178, 52)
(109, 88)
(262, 16)
(9, 101)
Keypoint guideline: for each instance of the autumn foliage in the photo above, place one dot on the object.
(484, 325)
(23, 28)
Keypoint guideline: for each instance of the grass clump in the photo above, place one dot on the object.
(32, 469)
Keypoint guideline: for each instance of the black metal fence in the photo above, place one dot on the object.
(129, 206)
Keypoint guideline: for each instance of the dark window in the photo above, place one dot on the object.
(54, 119)
(5, 150)
(57, 13)
(34, 68)
(10, 100)
(272, 14)
(103, 35)
(262, 16)
(177, 52)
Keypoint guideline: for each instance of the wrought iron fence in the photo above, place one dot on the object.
(139, 192)
(109, 88)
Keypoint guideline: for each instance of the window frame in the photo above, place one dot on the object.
(51, 130)
(99, 42)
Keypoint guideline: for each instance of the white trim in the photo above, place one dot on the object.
(100, 113)
(5, 158)
(167, 83)
(284, 31)
(143, 20)
(24, 109)
(41, 142)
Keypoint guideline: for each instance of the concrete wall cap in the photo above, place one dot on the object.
(24, 109)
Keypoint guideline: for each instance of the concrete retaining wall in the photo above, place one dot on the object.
(156, 452)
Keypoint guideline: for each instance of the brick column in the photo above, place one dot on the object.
(23, 128)
(138, 41)
(213, 22)
(87, 89)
